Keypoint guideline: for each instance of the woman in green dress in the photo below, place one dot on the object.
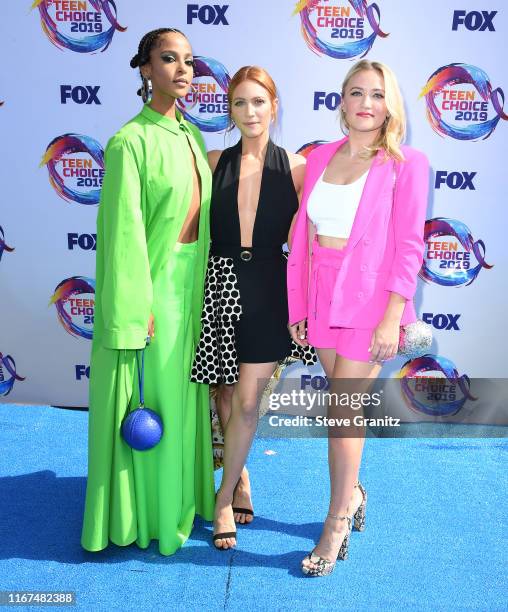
(152, 249)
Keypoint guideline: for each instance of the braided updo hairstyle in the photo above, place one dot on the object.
(146, 44)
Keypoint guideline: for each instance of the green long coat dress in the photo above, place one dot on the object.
(137, 496)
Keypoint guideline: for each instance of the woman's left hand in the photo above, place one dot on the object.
(385, 341)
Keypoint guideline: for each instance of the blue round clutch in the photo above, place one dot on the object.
(142, 429)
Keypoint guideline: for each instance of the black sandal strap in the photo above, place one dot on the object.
(243, 511)
(223, 536)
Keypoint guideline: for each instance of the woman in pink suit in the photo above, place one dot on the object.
(356, 250)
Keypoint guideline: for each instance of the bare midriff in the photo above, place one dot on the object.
(330, 242)
(189, 231)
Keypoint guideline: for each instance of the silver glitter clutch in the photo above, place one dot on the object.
(415, 339)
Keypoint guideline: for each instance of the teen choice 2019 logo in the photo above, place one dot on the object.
(74, 299)
(308, 147)
(3, 245)
(461, 102)
(8, 375)
(452, 257)
(84, 26)
(206, 104)
(339, 29)
(76, 168)
(431, 385)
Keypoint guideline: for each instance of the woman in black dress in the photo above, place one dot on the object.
(256, 186)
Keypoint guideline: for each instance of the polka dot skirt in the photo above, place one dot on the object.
(216, 360)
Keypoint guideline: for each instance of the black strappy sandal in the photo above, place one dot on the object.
(223, 536)
(243, 511)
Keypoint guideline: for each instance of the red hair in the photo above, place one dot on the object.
(252, 73)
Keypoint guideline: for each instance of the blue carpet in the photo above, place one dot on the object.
(435, 537)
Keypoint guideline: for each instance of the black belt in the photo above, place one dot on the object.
(245, 253)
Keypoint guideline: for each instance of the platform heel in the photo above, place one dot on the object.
(323, 566)
(359, 515)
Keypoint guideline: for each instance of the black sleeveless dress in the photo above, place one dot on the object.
(245, 312)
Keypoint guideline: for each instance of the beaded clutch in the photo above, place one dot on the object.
(415, 339)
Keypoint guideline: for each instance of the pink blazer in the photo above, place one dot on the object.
(384, 251)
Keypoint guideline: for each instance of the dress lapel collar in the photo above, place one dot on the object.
(171, 125)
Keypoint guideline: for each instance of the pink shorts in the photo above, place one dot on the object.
(347, 342)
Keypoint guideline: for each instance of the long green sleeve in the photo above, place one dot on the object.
(126, 296)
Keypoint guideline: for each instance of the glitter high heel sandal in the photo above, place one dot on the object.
(323, 566)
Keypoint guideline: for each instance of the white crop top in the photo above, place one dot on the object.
(332, 208)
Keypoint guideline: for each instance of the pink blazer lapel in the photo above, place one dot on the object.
(380, 172)
(323, 155)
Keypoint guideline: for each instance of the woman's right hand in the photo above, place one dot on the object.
(298, 333)
(151, 327)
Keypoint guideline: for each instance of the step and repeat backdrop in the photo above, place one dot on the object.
(67, 87)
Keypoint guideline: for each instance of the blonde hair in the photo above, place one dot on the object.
(393, 129)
